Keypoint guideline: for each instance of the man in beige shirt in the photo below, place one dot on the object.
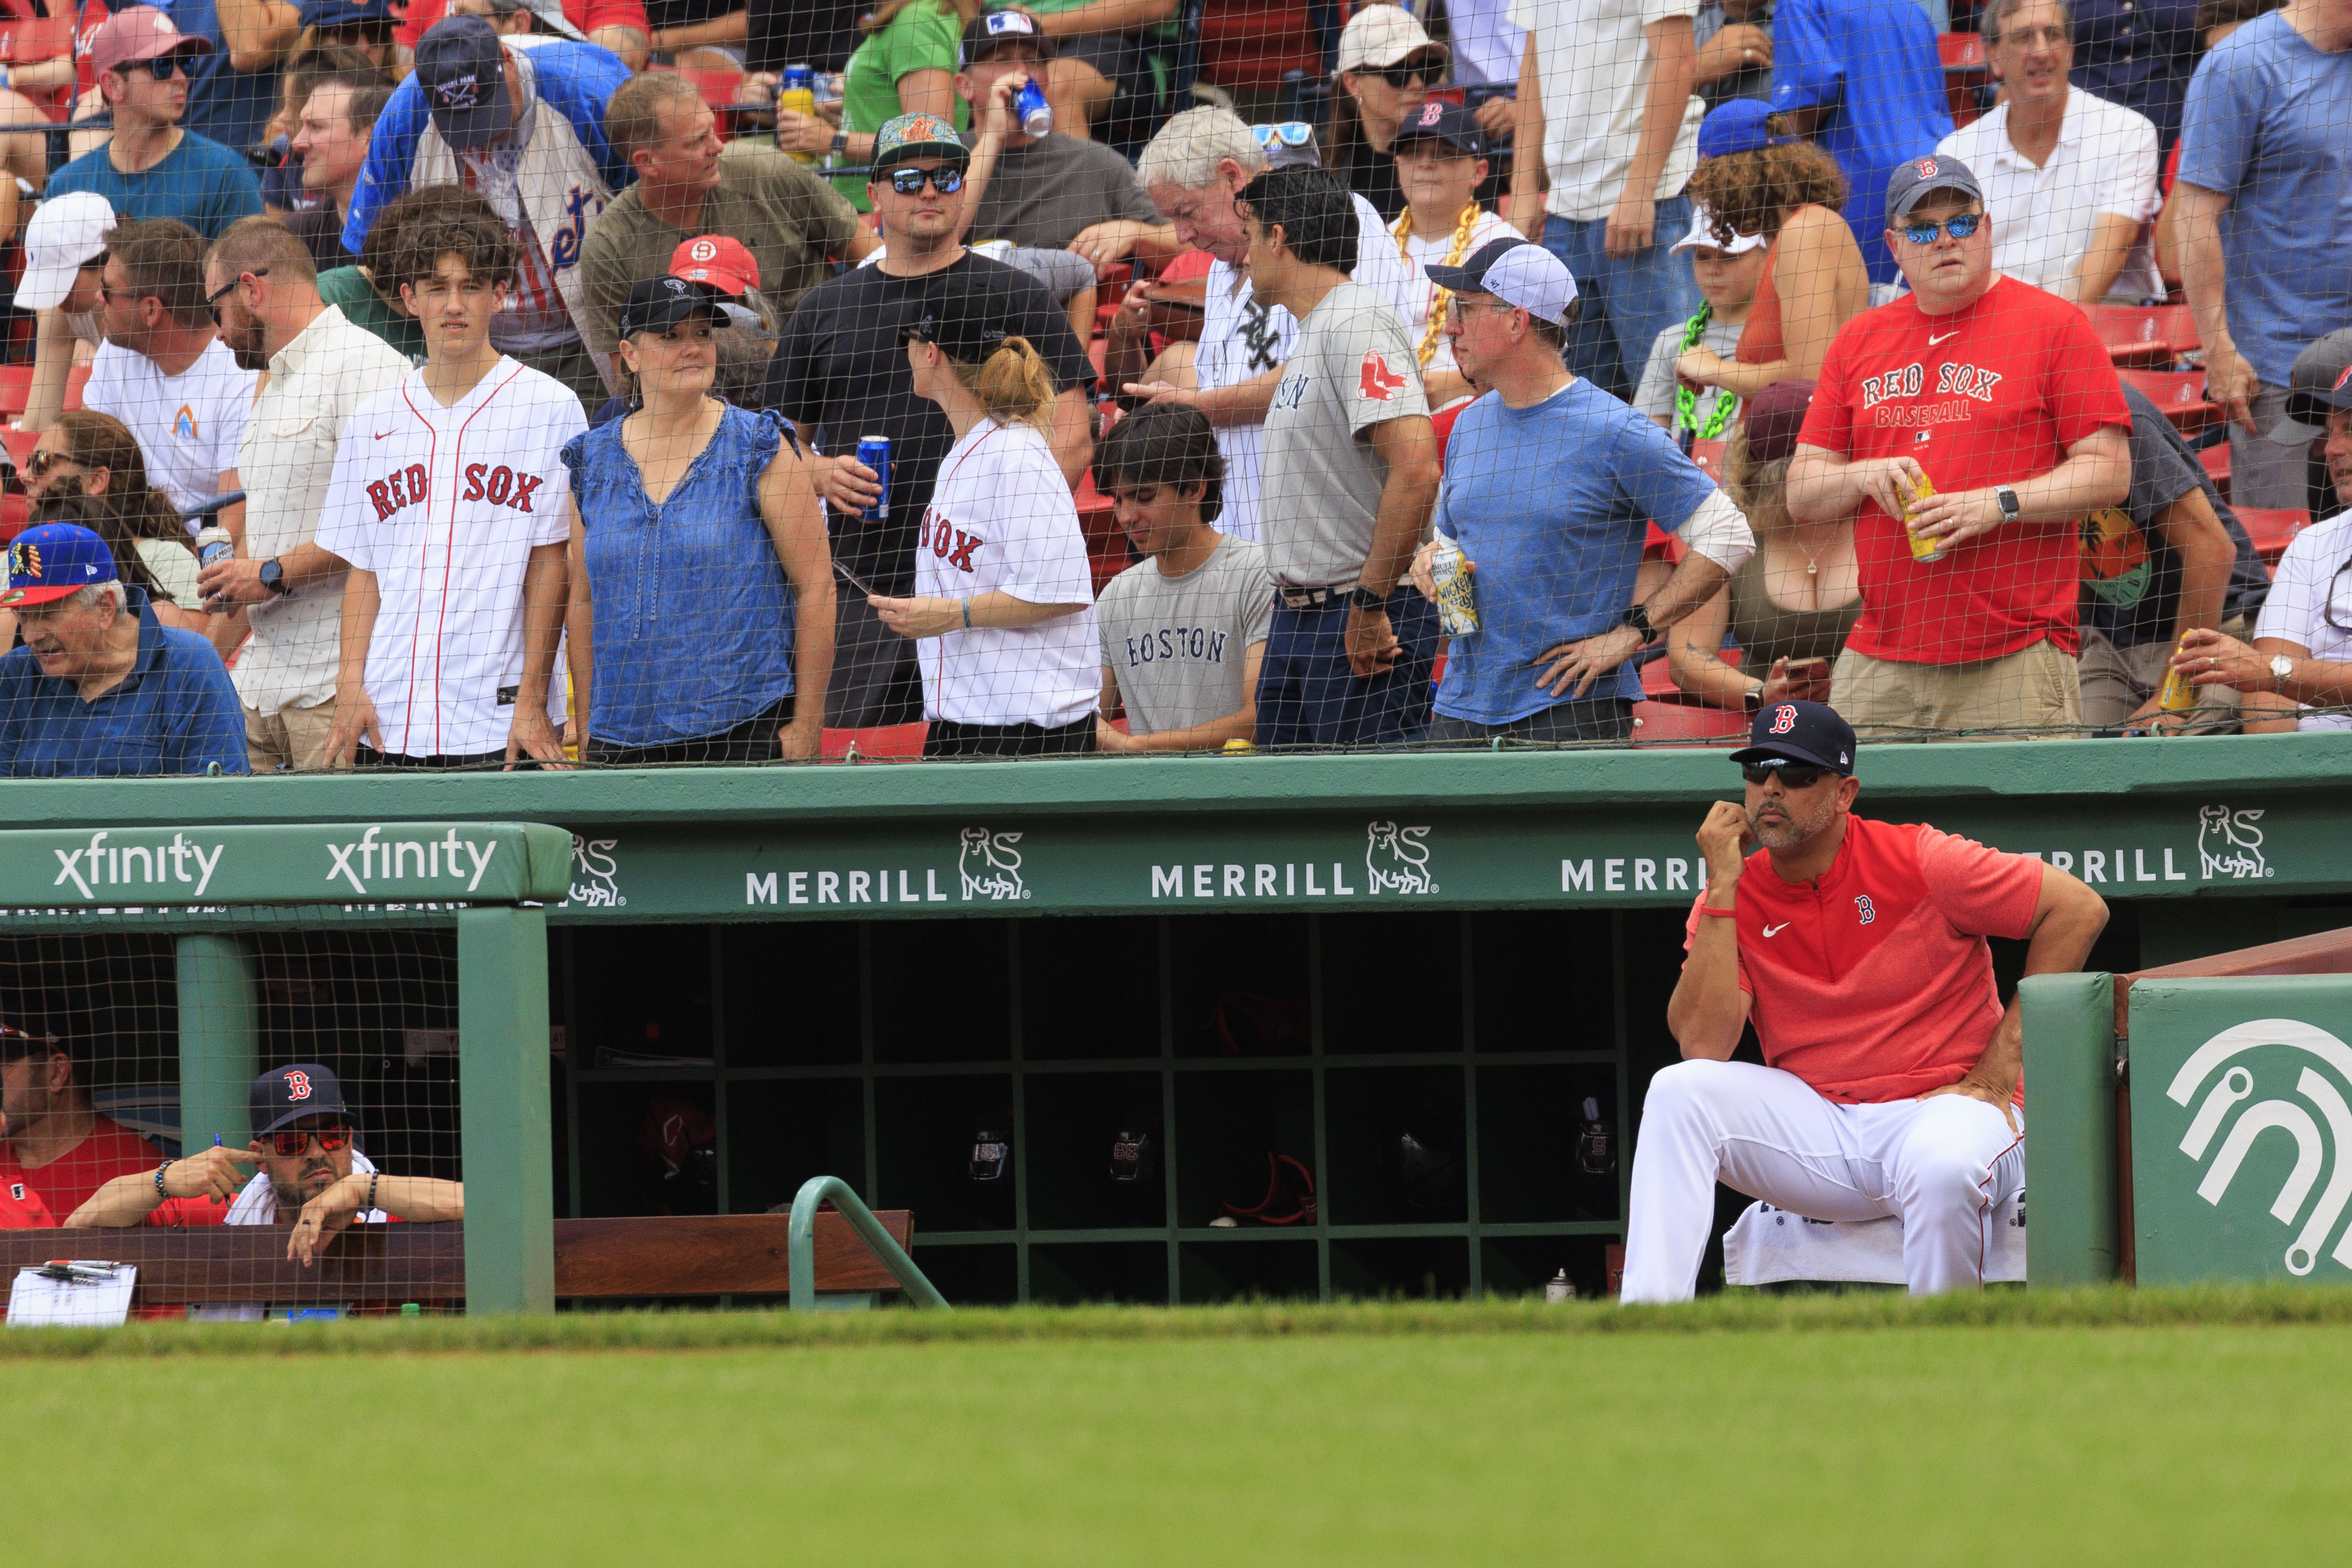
(321, 368)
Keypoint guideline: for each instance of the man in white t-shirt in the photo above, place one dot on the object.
(449, 502)
(165, 371)
(1606, 108)
(2069, 179)
(1193, 170)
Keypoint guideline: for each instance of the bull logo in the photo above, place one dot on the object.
(1397, 858)
(2229, 843)
(2235, 1087)
(594, 871)
(990, 867)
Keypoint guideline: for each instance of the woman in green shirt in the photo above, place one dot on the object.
(906, 65)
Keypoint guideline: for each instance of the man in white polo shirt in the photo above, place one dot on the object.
(2069, 179)
(448, 504)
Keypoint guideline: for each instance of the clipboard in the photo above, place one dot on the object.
(77, 1292)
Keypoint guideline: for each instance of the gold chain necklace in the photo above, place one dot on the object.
(1438, 298)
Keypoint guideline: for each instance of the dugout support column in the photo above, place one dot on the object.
(2070, 1132)
(504, 1111)
(220, 1040)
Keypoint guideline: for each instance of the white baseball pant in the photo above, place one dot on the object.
(1942, 1165)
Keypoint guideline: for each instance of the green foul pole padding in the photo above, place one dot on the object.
(220, 1041)
(2070, 1165)
(504, 1110)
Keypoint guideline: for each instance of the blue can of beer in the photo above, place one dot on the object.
(1029, 106)
(873, 451)
(799, 78)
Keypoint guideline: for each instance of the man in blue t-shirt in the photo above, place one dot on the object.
(1863, 79)
(2265, 200)
(1550, 485)
(152, 166)
(233, 89)
(100, 688)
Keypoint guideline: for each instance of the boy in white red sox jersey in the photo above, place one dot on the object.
(1003, 602)
(447, 499)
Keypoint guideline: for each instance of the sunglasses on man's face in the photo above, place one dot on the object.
(1792, 779)
(1958, 227)
(162, 67)
(947, 181)
(288, 1143)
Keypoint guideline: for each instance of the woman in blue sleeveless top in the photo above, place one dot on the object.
(701, 620)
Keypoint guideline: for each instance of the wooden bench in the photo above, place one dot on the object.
(386, 1264)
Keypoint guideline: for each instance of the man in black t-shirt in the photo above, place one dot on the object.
(840, 374)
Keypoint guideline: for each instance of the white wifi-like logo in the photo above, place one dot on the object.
(2234, 1088)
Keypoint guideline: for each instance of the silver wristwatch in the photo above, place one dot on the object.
(2010, 509)
(2282, 668)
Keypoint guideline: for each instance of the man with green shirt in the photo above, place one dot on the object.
(790, 221)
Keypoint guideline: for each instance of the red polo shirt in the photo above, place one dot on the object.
(68, 1181)
(1990, 395)
(1874, 982)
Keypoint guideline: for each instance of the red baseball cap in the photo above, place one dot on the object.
(727, 264)
(139, 33)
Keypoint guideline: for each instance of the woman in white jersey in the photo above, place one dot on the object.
(1003, 598)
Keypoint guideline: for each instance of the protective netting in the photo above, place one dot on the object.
(709, 386)
(210, 1108)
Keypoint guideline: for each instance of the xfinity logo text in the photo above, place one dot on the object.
(100, 864)
(433, 859)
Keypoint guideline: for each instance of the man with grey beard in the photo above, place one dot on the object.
(1856, 949)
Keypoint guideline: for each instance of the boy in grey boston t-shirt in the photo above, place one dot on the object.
(1184, 631)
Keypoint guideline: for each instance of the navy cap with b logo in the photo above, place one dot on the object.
(291, 1093)
(1806, 734)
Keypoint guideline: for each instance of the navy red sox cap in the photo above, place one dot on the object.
(1805, 734)
(291, 1093)
(1438, 120)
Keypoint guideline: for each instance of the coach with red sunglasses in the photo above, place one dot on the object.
(313, 1180)
(1857, 949)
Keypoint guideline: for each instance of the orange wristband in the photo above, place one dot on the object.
(1718, 914)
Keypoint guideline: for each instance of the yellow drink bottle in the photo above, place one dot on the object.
(1922, 549)
(2178, 696)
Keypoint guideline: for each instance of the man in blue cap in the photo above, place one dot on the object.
(102, 687)
(526, 129)
(1856, 948)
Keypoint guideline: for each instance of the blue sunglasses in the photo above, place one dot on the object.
(1959, 228)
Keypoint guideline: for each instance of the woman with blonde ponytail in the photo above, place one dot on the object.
(1003, 602)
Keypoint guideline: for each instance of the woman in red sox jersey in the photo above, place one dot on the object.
(1004, 600)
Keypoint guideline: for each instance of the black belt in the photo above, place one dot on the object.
(1309, 598)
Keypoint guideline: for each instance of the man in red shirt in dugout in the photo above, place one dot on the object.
(1857, 949)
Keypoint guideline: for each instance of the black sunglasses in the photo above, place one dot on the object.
(160, 68)
(213, 301)
(1791, 778)
(946, 180)
(1405, 76)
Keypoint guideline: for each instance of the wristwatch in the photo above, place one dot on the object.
(273, 576)
(1362, 598)
(1638, 617)
(2282, 669)
(840, 142)
(2010, 509)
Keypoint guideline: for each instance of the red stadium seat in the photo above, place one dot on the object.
(890, 740)
(2272, 529)
(76, 379)
(16, 387)
(1106, 549)
(1708, 455)
(1964, 71)
(1247, 44)
(1688, 724)
(2215, 459)
(15, 511)
(20, 445)
(2179, 392)
(2145, 335)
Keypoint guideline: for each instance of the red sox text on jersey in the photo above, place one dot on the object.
(949, 542)
(1954, 382)
(411, 486)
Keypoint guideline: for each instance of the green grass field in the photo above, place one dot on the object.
(2100, 1427)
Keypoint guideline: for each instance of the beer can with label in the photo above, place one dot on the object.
(1029, 107)
(213, 544)
(873, 451)
(2178, 696)
(1457, 598)
(1922, 549)
(797, 95)
(1559, 1288)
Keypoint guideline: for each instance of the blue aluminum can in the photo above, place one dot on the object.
(1029, 106)
(801, 77)
(873, 451)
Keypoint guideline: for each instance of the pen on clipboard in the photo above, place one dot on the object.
(74, 1273)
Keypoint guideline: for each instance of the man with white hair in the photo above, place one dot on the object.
(1193, 171)
(100, 688)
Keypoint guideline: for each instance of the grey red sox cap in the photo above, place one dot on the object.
(2320, 383)
(1915, 179)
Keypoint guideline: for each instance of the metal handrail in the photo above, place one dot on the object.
(801, 1254)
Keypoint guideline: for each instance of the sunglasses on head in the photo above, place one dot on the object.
(1288, 133)
(1959, 228)
(1791, 778)
(288, 1143)
(1405, 76)
(946, 180)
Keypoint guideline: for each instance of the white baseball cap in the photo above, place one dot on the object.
(1382, 35)
(1702, 232)
(65, 233)
(1516, 271)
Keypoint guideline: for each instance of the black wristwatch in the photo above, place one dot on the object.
(1638, 617)
(1362, 598)
(840, 142)
(273, 576)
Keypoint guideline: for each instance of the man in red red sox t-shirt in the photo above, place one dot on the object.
(2002, 395)
(1857, 949)
(58, 1148)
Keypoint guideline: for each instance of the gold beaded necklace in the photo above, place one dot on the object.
(1438, 298)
